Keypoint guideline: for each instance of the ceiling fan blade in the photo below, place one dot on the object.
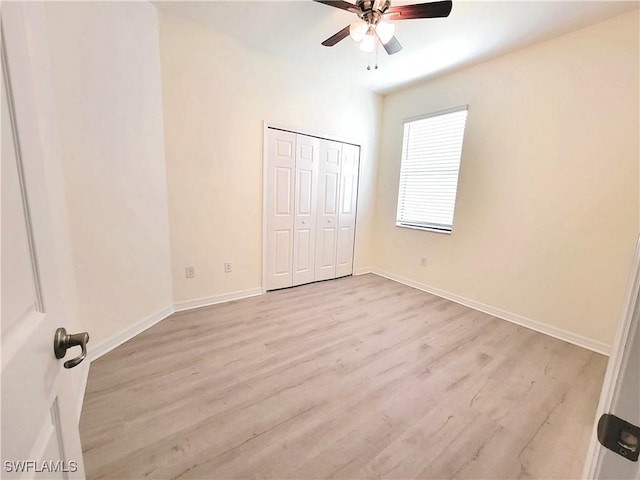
(392, 46)
(341, 35)
(421, 10)
(338, 4)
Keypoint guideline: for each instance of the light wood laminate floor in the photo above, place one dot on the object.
(359, 377)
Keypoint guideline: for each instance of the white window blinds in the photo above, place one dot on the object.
(431, 151)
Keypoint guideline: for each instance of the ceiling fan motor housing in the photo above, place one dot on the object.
(372, 10)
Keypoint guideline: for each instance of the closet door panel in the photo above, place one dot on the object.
(344, 256)
(327, 217)
(280, 208)
(306, 190)
(282, 242)
(348, 198)
(327, 252)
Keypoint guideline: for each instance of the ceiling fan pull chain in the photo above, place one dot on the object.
(377, 50)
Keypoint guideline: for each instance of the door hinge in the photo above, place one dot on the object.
(619, 436)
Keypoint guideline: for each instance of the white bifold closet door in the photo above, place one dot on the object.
(347, 209)
(311, 199)
(304, 237)
(281, 150)
(327, 219)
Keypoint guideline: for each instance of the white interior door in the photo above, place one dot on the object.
(306, 186)
(327, 216)
(40, 437)
(281, 165)
(347, 209)
(621, 387)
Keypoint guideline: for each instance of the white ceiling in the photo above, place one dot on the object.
(475, 31)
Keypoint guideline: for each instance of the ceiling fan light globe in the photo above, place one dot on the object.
(385, 31)
(358, 30)
(367, 44)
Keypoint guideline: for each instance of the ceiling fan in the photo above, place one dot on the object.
(373, 21)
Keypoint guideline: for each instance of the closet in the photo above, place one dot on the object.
(311, 187)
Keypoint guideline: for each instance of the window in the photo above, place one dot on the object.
(431, 151)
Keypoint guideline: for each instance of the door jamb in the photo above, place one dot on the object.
(593, 460)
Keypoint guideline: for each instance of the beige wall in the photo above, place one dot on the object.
(106, 74)
(548, 201)
(547, 210)
(217, 94)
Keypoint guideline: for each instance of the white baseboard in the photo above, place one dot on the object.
(224, 297)
(127, 334)
(82, 388)
(558, 333)
(362, 271)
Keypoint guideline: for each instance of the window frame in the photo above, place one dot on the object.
(430, 226)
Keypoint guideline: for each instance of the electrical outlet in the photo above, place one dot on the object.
(423, 261)
(189, 272)
(227, 267)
